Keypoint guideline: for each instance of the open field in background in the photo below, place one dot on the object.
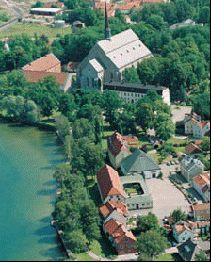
(31, 29)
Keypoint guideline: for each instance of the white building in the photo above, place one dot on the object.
(195, 126)
(131, 93)
(191, 168)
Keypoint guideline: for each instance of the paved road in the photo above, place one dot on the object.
(18, 12)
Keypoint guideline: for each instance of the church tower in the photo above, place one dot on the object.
(107, 26)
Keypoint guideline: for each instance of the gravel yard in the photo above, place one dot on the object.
(166, 198)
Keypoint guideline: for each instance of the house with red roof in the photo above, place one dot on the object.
(195, 126)
(194, 148)
(122, 239)
(109, 185)
(201, 184)
(47, 66)
(118, 149)
(182, 232)
(106, 209)
(200, 212)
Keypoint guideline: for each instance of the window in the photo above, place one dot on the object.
(87, 81)
(111, 76)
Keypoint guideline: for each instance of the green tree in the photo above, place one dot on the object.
(151, 244)
(178, 215)
(206, 144)
(90, 221)
(147, 223)
(202, 256)
(77, 241)
(63, 126)
(131, 76)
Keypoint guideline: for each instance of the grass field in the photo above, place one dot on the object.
(83, 257)
(31, 29)
(165, 257)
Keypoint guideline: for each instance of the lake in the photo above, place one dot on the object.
(28, 158)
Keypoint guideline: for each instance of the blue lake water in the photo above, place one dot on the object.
(27, 193)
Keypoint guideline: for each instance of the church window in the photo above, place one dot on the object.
(111, 76)
(87, 81)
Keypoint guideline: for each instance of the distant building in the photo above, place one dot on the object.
(47, 66)
(195, 126)
(182, 232)
(77, 25)
(132, 93)
(139, 163)
(188, 250)
(122, 239)
(200, 212)
(201, 184)
(124, 6)
(118, 149)
(191, 167)
(188, 22)
(46, 11)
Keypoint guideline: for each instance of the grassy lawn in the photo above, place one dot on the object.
(174, 140)
(103, 248)
(31, 29)
(83, 257)
(165, 257)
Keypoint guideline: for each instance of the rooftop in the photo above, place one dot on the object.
(124, 48)
(36, 76)
(110, 206)
(117, 144)
(44, 63)
(202, 180)
(109, 182)
(200, 207)
(139, 162)
(187, 250)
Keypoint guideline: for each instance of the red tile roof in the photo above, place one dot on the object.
(110, 206)
(109, 182)
(111, 226)
(36, 76)
(117, 144)
(202, 180)
(200, 207)
(192, 149)
(118, 232)
(43, 64)
(181, 227)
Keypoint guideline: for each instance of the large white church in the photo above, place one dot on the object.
(109, 58)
